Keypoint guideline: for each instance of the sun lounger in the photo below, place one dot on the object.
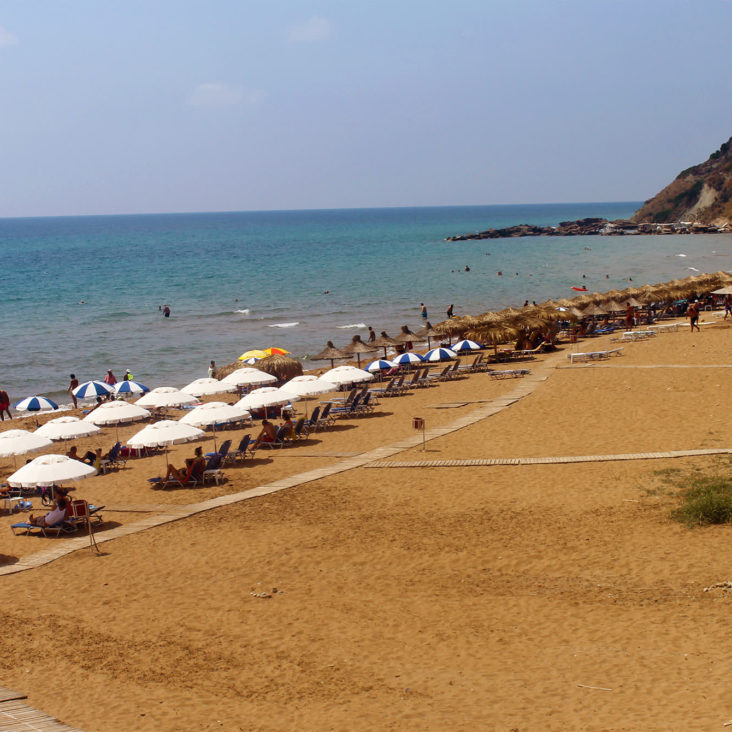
(242, 452)
(593, 355)
(509, 373)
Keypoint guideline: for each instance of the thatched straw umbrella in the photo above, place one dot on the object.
(358, 347)
(428, 332)
(283, 367)
(593, 309)
(330, 353)
(384, 341)
(406, 336)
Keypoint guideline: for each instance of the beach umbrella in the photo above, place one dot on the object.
(613, 307)
(18, 442)
(440, 354)
(92, 390)
(721, 291)
(406, 335)
(358, 347)
(465, 345)
(330, 353)
(248, 377)
(274, 351)
(67, 428)
(283, 367)
(130, 387)
(384, 341)
(593, 309)
(266, 396)
(164, 433)
(213, 413)
(254, 353)
(380, 365)
(50, 469)
(346, 375)
(306, 387)
(251, 360)
(407, 359)
(166, 396)
(35, 404)
(428, 332)
(116, 413)
(204, 386)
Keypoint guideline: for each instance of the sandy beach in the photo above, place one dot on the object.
(542, 596)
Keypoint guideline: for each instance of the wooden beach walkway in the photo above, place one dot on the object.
(17, 716)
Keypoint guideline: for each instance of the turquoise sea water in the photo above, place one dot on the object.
(294, 279)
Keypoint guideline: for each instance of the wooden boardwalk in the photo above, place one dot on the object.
(17, 716)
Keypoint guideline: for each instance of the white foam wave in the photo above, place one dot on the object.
(694, 269)
(243, 311)
(284, 325)
(681, 255)
(351, 325)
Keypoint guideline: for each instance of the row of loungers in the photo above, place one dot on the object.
(593, 355)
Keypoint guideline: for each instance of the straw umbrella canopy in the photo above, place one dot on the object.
(428, 332)
(613, 307)
(406, 335)
(358, 347)
(385, 341)
(723, 291)
(67, 428)
(593, 309)
(283, 367)
(330, 353)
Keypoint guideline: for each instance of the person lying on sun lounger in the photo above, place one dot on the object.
(267, 434)
(55, 516)
(194, 465)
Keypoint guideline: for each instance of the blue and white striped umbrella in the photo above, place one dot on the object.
(380, 365)
(405, 359)
(440, 354)
(35, 404)
(92, 389)
(466, 346)
(130, 387)
(251, 360)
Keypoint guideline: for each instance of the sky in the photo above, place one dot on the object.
(150, 106)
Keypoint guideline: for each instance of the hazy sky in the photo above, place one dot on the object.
(174, 105)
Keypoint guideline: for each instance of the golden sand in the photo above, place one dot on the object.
(527, 597)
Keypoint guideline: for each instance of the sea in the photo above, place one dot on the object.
(85, 294)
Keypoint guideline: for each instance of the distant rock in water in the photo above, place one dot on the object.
(583, 227)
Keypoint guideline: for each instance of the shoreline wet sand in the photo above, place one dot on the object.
(505, 597)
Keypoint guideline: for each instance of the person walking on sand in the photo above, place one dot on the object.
(727, 306)
(693, 313)
(73, 383)
(423, 310)
(4, 405)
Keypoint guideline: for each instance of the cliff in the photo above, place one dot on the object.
(701, 193)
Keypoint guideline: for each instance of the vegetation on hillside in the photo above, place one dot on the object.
(700, 193)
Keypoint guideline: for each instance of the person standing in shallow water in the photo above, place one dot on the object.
(450, 310)
(423, 310)
(73, 383)
(166, 311)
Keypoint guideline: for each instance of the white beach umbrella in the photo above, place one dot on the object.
(202, 387)
(299, 387)
(49, 469)
(67, 428)
(346, 375)
(214, 413)
(248, 377)
(165, 432)
(116, 413)
(18, 442)
(166, 396)
(266, 396)
(91, 390)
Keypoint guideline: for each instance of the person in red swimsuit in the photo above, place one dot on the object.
(4, 405)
